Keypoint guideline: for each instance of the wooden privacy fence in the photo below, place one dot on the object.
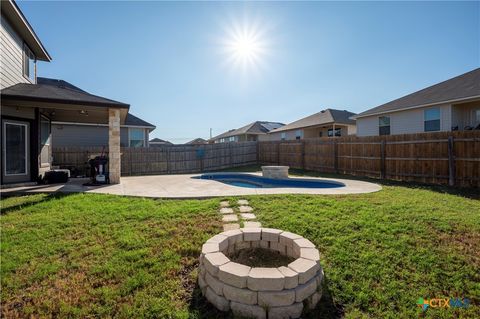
(438, 158)
(165, 159)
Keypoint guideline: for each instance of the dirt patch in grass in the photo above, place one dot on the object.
(260, 257)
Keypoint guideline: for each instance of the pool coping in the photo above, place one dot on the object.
(184, 186)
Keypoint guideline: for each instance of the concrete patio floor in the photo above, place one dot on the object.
(184, 186)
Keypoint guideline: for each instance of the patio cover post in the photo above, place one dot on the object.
(114, 164)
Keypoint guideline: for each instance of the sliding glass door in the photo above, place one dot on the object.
(15, 151)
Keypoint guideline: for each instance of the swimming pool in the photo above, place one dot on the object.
(255, 181)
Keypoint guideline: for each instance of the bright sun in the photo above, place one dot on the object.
(245, 46)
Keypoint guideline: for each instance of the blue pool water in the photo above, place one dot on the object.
(255, 181)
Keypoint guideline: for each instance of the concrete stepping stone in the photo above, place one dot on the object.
(224, 204)
(226, 210)
(230, 218)
(252, 225)
(245, 209)
(248, 216)
(242, 202)
(228, 227)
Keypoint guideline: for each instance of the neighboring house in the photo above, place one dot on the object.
(450, 105)
(250, 132)
(134, 132)
(326, 123)
(28, 108)
(159, 142)
(197, 141)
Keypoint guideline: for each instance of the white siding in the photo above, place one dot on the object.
(404, 122)
(11, 56)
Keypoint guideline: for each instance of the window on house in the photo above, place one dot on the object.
(384, 125)
(136, 137)
(477, 116)
(28, 63)
(338, 132)
(44, 131)
(431, 120)
(283, 136)
(298, 134)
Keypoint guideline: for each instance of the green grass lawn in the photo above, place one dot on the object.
(88, 255)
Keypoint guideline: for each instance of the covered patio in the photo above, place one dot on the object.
(27, 112)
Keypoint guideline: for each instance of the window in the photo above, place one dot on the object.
(384, 125)
(338, 132)
(477, 116)
(283, 136)
(45, 131)
(136, 137)
(298, 134)
(28, 63)
(431, 120)
(320, 134)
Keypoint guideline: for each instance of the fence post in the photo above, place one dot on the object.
(335, 156)
(168, 160)
(451, 162)
(278, 153)
(303, 154)
(382, 160)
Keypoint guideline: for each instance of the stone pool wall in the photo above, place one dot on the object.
(275, 172)
(281, 292)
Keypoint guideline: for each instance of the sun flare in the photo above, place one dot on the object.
(245, 46)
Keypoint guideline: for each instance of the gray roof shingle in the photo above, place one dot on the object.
(258, 127)
(327, 116)
(461, 87)
(132, 120)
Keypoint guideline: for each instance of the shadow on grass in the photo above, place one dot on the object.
(48, 197)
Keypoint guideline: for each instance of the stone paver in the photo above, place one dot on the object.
(248, 216)
(219, 239)
(313, 300)
(270, 234)
(243, 245)
(286, 312)
(242, 202)
(224, 203)
(265, 279)
(210, 248)
(226, 210)
(230, 218)
(218, 301)
(305, 290)
(310, 253)
(214, 283)
(245, 209)
(228, 227)
(287, 238)
(291, 277)
(301, 243)
(251, 234)
(252, 225)
(243, 296)
(248, 311)
(213, 261)
(305, 268)
(282, 249)
(234, 236)
(234, 274)
(276, 298)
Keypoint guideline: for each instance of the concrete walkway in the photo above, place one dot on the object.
(185, 186)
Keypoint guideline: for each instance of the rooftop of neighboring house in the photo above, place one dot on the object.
(328, 116)
(255, 128)
(197, 141)
(460, 88)
(159, 141)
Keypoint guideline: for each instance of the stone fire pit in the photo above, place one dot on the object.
(276, 172)
(281, 292)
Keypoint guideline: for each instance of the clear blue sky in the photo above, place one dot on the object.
(169, 60)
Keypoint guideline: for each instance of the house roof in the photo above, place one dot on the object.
(197, 141)
(462, 87)
(327, 116)
(20, 23)
(132, 120)
(57, 91)
(159, 141)
(255, 128)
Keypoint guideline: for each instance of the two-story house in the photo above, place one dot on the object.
(249, 132)
(29, 107)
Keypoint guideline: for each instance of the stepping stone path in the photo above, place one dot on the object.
(230, 218)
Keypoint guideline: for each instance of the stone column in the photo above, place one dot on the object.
(114, 165)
